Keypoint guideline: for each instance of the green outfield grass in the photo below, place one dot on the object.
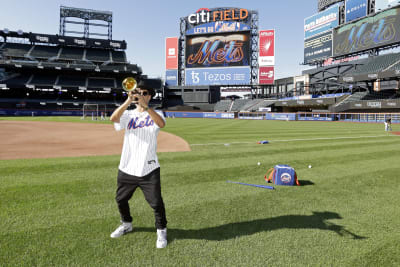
(60, 212)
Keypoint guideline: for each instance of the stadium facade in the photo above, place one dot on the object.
(221, 61)
(350, 46)
(43, 74)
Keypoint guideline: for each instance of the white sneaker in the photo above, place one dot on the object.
(161, 238)
(122, 229)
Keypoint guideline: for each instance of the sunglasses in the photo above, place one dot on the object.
(142, 93)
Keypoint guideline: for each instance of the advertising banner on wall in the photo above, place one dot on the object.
(217, 27)
(321, 22)
(371, 32)
(217, 76)
(171, 53)
(266, 75)
(171, 77)
(218, 50)
(383, 4)
(355, 9)
(318, 47)
(267, 48)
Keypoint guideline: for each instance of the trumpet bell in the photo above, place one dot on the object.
(129, 84)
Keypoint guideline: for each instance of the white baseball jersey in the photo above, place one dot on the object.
(139, 156)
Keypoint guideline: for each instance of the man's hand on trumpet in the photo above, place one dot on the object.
(133, 96)
(138, 97)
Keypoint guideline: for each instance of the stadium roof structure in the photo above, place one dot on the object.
(40, 61)
(55, 39)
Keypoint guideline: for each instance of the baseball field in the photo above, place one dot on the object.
(60, 211)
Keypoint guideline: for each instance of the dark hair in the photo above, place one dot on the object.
(142, 84)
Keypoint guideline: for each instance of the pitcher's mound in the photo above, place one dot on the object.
(31, 139)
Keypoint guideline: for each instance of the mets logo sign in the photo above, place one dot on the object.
(286, 178)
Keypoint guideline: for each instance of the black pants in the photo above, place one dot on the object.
(151, 187)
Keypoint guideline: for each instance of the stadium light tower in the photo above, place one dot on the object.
(86, 15)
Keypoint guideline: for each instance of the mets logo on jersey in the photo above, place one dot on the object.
(286, 177)
(134, 123)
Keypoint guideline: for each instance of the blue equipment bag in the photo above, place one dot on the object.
(282, 175)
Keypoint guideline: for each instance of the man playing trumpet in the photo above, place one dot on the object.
(139, 166)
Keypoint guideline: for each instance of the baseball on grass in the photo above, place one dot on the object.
(309, 166)
(258, 163)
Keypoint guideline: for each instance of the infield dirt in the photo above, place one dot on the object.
(30, 139)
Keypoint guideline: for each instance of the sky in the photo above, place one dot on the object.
(144, 25)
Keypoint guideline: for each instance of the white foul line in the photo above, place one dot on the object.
(302, 139)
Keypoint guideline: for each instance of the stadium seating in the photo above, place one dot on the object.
(44, 52)
(263, 104)
(16, 50)
(238, 104)
(118, 56)
(43, 79)
(73, 81)
(98, 55)
(377, 63)
(18, 79)
(396, 66)
(384, 94)
(222, 105)
(354, 97)
(71, 53)
(250, 106)
(101, 83)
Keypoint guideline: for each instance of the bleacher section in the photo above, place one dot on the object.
(263, 104)
(17, 79)
(377, 63)
(59, 78)
(62, 54)
(16, 50)
(101, 83)
(43, 80)
(396, 66)
(222, 105)
(44, 52)
(71, 53)
(238, 104)
(384, 94)
(72, 81)
(118, 56)
(97, 55)
(250, 104)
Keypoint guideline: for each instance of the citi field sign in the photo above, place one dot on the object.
(205, 15)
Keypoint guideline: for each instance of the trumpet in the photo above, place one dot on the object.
(129, 84)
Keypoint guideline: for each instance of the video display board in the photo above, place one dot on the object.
(217, 76)
(218, 27)
(218, 47)
(383, 4)
(355, 9)
(322, 21)
(318, 47)
(218, 50)
(371, 32)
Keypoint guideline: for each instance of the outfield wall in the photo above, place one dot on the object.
(212, 115)
(38, 112)
(299, 116)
